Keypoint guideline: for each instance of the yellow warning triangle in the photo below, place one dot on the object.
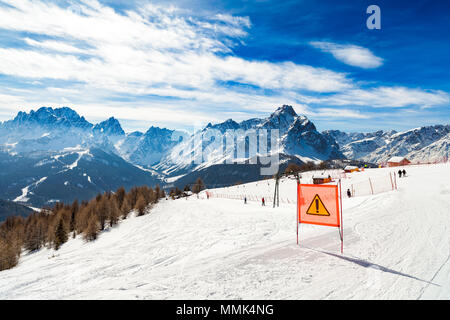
(317, 207)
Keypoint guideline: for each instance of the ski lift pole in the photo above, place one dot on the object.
(276, 191)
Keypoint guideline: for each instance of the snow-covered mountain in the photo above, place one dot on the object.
(44, 130)
(110, 127)
(430, 143)
(343, 138)
(48, 118)
(41, 178)
(297, 137)
(147, 149)
(57, 155)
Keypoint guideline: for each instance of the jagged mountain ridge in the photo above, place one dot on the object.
(49, 129)
(298, 137)
(53, 155)
(52, 152)
(424, 144)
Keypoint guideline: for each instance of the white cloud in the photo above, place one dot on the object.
(388, 97)
(339, 113)
(350, 54)
(142, 50)
(87, 55)
(55, 46)
(9, 100)
(234, 20)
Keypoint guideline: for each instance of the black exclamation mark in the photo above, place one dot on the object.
(317, 205)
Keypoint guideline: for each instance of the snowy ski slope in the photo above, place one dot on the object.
(397, 246)
(358, 182)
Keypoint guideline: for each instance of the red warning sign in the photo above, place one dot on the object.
(318, 204)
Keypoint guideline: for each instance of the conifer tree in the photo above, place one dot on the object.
(8, 256)
(292, 168)
(73, 211)
(51, 227)
(60, 235)
(114, 212)
(133, 196)
(102, 212)
(82, 218)
(198, 186)
(141, 204)
(35, 231)
(126, 208)
(120, 195)
(91, 232)
(11, 240)
(323, 165)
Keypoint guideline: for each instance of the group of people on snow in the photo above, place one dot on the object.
(349, 193)
(400, 172)
(262, 201)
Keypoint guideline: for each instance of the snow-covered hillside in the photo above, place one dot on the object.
(397, 245)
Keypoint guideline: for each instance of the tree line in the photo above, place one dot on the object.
(52, 227)
(188, 189)
(307, 166)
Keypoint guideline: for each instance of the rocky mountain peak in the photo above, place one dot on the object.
(49, 118)
(110, 126)
(284, 111)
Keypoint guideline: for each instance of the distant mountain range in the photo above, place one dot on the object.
(423, 144)
(298, 137)
(53, 155)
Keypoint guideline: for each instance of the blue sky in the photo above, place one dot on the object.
(183, 63)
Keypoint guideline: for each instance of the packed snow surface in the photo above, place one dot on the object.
(396, 246)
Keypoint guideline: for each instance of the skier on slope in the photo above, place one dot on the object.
(245, 200)
(349, 194)
(399, 173)
(404, 173)
(263, 202)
